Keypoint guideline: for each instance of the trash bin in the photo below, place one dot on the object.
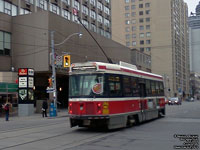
(52, 112)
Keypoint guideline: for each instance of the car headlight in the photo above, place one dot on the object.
(176, 101)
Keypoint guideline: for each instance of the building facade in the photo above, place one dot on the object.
(25, 33)
(157, 28)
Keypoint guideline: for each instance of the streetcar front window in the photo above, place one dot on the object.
(86, 85)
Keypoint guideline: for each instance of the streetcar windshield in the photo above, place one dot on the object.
(86, 85)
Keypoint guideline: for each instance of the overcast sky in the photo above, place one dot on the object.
(192, 5)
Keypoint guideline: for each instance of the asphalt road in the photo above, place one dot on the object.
(181, 124)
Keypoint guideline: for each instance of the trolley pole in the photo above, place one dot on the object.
(53, 71)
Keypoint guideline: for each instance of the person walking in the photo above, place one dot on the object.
(6, 108)
(44, 108)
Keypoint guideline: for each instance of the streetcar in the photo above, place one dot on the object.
(111, 96)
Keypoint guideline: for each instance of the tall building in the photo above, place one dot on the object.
(194, 48)
(25, 41)
(158, 28)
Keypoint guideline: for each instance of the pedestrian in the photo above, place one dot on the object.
(44, 108)
(6, 108)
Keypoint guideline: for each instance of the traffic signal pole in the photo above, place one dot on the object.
(53, 71)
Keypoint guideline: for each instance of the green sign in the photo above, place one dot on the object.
(8, 87)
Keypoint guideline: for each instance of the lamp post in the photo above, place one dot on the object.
(53, 64)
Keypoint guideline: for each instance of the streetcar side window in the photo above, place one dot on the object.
(153, 88)
(157, 88)
(114, 84)
(127, 90)
(161, 88)
(148, 88)
(135, 87)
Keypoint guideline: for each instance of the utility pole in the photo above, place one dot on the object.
(53, 71)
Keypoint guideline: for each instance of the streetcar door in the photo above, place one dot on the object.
(142, 101)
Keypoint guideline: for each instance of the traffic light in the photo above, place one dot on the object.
(50, 82)
(67, 61)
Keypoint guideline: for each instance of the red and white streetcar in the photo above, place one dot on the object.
(113, 95)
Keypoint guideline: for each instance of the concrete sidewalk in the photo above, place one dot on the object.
(13, 117)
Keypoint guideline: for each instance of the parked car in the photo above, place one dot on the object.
(190, 99)
(174, 101)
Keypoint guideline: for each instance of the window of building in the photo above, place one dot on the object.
(24, 11)
(148, 49)
(66, 2)
(14, 10)
(133, 1)
(141, 27)
(142, 49)
(54, 8)
(92, 2)
(84, 10)
(147, 12)
(133, 14)
(76, 4)
(141, 20)
(133, 21)
(127, 44)
(133, 35)
(127, 21)
(66, 14)
(5, 43)
(126, 1)
(141, 13)
(108, 1)
(42, 4)
(29, 1)
(101, 31)
(127, 36)
(133, 7)
(92, 14)
(126, 7)
(148, 41)
(147, 27)
(140, 5)
(93, 28)
(127, 29)
(99, 5)
(7, 8)
(106, 22)
(133, 28)
(142, 42)
(99, 18)
(107, 10)
(127, 15)
(85, 23)
(107, 34)
(147, 5)
(147, 19)
(141, 35)
(75, 18)
(133, 43)
(148, 34)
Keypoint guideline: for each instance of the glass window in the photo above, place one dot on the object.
(147, 5)
(133, 43)
(127, 29)
(1, 6)
(92, 2)
(93, 27)
(142, 50)
(66, 14)
(147, 27)
(142, 42)
(140, 5)
(87, 86)
(126, 1)
(66, 2)
(127, 21)
(107, 10)
(127, 15)
(135, 86)
(127, 36)
(133, 7)
(148, 34)
(92, 14)
(148, 41)
(147, 12)
(75, 18)
(148, 49)
(133, 14)
(106, 22)
(153, 88)
(84, 10)
(7, 8)
(133, 28)
(141, 27)
(55, 9)
(141, 35)
(76, 4)
(14, 10)
(100, 18)
(42, 4)
(127, 90)
(141, 20)
(141, 13)
(99, 5)
(5, 43)
(148, 88)
(147, 19)
(133, 35)
(127, 44)
(114, 84)
(133, 21)
(126, 7)
(85, 23)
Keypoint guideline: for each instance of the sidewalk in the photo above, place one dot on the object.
(13, 117)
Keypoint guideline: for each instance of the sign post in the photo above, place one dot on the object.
(25, 91)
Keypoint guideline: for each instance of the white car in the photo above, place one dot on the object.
(174, 101)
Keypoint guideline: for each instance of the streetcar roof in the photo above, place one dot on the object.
(107, 67)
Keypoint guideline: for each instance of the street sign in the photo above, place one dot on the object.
(50, 90)
(22, 82)
(59, 61)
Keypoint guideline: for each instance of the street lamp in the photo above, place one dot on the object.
(53, 63)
